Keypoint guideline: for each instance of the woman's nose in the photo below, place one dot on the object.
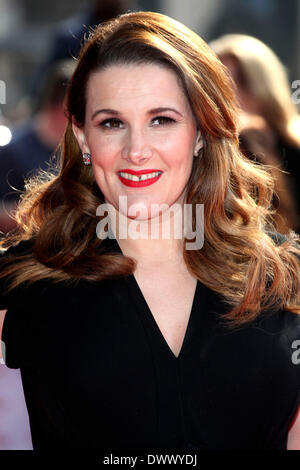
(136, 148)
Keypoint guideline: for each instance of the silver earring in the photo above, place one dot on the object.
(86, 157)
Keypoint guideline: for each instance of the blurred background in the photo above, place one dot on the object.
(37, 43)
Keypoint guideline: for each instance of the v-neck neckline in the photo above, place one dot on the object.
(144, 307)
(113, 245)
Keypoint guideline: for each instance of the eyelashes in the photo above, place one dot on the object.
(115, 123)
(164, 120)
(111, 123)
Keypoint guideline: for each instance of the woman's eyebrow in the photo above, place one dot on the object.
(161, 110)
(105, 111)
(152, 111)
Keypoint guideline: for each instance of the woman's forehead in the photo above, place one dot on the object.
(122, 83)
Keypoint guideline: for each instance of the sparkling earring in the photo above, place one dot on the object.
(86, 157)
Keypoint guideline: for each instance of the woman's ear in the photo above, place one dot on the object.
(199, 143)
(80, 137)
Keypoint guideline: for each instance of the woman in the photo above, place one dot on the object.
(143, 342)
(270, 121)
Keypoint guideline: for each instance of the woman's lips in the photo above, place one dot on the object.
(139, 179)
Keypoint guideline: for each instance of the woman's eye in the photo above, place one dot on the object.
(112, 123)
(162, 120)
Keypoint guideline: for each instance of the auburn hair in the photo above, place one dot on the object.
(239, 260)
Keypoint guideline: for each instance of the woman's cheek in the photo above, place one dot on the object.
(103, 151)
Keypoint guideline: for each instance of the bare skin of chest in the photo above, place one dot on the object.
(169, 293)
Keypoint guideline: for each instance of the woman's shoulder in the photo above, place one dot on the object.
(280, 321)
(21, 248)
(7, 258)
(276, 337)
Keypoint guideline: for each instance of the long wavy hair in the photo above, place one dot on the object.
(239, 260)
(266, 79)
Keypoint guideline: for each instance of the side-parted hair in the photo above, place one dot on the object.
(239, 259)
(266, 79)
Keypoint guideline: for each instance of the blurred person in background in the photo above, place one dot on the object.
(33, 144)
(67, 41)
(269, 121)
(69, 33)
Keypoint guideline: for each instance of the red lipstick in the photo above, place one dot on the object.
(139, 179)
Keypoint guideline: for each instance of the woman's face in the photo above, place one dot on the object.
(141, 134)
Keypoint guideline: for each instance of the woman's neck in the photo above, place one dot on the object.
(151, 241)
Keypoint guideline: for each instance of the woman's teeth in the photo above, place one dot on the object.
(147, 176)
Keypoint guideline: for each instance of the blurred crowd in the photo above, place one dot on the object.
(34, 142)
(269, 133)
(269, 120)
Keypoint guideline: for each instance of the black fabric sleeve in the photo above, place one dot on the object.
(292, 337)
(11, 340)
(12, 333)
(4, 297)
(22, 248)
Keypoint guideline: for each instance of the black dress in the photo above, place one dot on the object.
(290, 156)
(98, 374)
